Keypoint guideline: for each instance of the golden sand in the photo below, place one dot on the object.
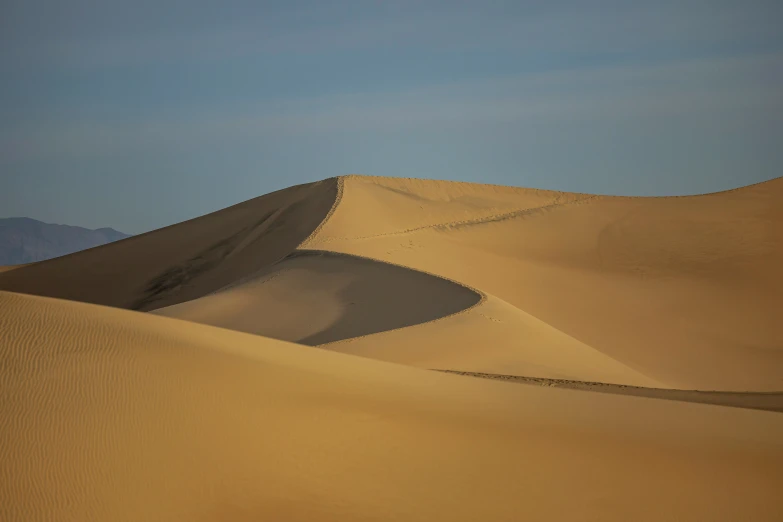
(213, 407)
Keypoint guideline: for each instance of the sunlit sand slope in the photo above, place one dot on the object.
(183, 261)
(685, 291)
(108, 415)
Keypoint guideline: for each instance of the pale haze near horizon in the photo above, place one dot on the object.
(137, 115)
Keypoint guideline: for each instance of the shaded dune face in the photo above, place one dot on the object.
(183, 261)
(316, 297)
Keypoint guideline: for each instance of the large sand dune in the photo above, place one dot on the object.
(112, 414)
(687, 291)
(670, 292)
(108, 414)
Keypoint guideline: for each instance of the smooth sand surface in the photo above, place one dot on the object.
(109, 414)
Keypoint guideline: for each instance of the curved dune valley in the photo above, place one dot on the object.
(274, 360)
(314, 297)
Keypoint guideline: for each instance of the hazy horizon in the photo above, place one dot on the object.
(138, 115)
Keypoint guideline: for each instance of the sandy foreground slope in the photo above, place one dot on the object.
(108, 414)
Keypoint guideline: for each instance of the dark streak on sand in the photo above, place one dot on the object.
(175, 277)
(770, 401)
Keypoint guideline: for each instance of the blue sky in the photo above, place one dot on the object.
(136, 115)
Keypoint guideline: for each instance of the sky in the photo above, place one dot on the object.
(140, 114)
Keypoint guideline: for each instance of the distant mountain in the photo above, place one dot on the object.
(25, 240)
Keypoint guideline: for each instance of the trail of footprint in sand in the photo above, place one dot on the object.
(316, 297)
(770, 401)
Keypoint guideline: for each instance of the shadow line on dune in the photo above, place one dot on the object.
(480, 297)
(327, 336)
(316, 297)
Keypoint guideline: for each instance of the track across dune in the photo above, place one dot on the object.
(771, 401)
(314, 297)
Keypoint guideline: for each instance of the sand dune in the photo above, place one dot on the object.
(183, 261)
(116, 415)
(111, 414)
(686, 291)
(680, 292)
(662, 292)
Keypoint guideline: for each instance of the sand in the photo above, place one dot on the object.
(274, 360)
(116, 415)
(770, 401)
(182, 261)
(318, 297)
(634, 291)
